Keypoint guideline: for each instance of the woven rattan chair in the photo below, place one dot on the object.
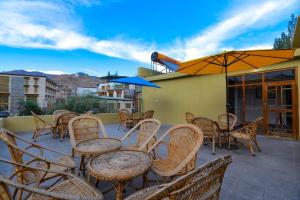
(222, 121)
(42, 126)
(63, 121)
(189, 117)
(209, 129)
(247, 133)
(148, 114)
(146, 131)
(66, 186)
(85, 128)
(182, 143)
(59, 112)
(61, 163)
(125, 120)
(203, 183)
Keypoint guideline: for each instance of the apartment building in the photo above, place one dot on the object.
(84, 91)
(15, 88)
(122, 94)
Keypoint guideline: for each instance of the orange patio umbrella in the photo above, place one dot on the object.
(232, 61)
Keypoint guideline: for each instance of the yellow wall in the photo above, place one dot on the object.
(26, 124)
(201, 95)
(1, 123)
(145, 72)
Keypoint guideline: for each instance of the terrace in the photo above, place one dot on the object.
(271, 174)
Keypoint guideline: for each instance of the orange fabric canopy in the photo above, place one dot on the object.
(235, 61)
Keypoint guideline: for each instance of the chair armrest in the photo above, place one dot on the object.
(32, 146)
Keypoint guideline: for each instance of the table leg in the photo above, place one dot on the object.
(120, 188)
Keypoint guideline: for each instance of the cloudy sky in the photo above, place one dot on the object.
(97, 36)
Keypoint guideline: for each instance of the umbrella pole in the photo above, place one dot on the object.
(227, 95)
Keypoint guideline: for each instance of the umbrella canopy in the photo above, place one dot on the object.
(135, 80)
(235, 61)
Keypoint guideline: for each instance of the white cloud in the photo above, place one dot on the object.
(54, 25)
(53, 72)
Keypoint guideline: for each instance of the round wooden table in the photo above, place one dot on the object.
(92, 147)
(119, 166)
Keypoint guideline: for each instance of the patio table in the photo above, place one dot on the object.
(92, 147)
(119, 166)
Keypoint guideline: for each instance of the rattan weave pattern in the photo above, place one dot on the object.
(98, 146)
(119, 165)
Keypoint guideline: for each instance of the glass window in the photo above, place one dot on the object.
(236, 101)
(253, 78)
(235, 80)
(282, 75)
(128, 105)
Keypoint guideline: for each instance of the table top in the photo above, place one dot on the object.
(98, 146)
(119, 165)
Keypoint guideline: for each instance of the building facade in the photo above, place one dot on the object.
(84, 91)
(15, 88)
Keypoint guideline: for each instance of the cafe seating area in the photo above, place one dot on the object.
(148, 160)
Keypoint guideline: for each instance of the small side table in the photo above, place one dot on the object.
(119, 166)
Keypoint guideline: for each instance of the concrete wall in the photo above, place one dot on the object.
(145, 72)
(202, 95)
(26, 123)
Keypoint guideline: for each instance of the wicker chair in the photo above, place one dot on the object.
(63, 121)
(61, 163)
(59, 112)
(182, 143)
(125, 120)
(189, 117)
(247, 133)
(146, 134)
(41, 126)
(66, 186)
(84, 128)
(222, 121)
(202, 183)
(210, 130)
(148, 114)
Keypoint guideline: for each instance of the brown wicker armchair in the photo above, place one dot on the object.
(202, 183)
(222, 121)
(63, 121)
(146, 134)
(182, 143)
(125, 120)
(84, 128)
(209, 129)
(66, 186)
(247, 133)
(61, 163)
(59, 112)
(148, 114)
(189, 117)
(41, 126)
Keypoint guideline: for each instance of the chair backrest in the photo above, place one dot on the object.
(148, 114)
(38, 121)
(252, 127)
(59, 112)
(189, 117)
(63, 119)
(122, 116)
(203, 183)
(85, 128)
(10, 140)
(147, 131)
(184, 143)
(222, 118)
(208, 126)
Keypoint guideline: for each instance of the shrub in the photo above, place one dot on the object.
(28, 106)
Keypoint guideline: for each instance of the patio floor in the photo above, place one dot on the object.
(272, 174)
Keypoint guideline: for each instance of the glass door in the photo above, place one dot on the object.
(280, 109)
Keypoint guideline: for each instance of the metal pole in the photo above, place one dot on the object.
(227, 95)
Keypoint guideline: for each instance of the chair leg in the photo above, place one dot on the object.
(255, 141)
(251, 148)
(145, 180)
(213, 146)
(61, 134)
(228, 142)
(73, 153)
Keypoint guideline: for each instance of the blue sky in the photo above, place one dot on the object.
(97, 36)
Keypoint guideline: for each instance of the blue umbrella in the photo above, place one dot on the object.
(135, 80)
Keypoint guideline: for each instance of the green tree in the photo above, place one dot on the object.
(28, 106)
(286, 39)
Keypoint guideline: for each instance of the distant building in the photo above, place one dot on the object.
(63, 93)
(84, 91)
(113, 104)
(15, 88)
(118, 92)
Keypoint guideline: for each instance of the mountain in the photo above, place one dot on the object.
(72, 81)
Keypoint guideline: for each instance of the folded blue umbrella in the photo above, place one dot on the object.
(135, 80)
